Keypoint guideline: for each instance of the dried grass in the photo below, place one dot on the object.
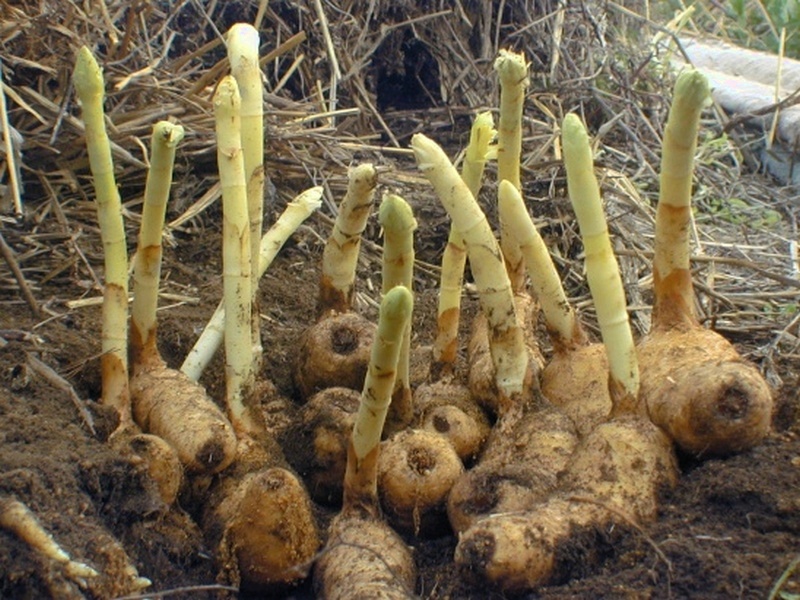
(350, 81)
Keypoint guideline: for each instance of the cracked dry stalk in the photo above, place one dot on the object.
(239, 375)
(88, 80)
(513, 73)
(509, 356)
(454, 258)
(297, 211)
(398, 223)
(243, 45)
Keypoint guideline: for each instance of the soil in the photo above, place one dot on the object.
(729, 530)
(731, 527)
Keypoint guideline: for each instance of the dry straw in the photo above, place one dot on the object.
(165, 61)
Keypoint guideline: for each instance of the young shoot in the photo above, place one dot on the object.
(364, 557)
(239, 375)
(395, 315)
(512, 71)
(602, 271)
(340, 256)
(88, 80)
(509, 355)
(334, 351)
(147, 265)
(165, 402)
(562, 322)
(672, 280)
(454, 257)
(398, 223)
(243, 45)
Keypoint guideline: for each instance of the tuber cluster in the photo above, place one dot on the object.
(524, 458)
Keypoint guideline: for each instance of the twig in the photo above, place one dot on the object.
(773, 593)
(791, 100)
(54, 379)
(336, 73)
(213, 587)
(725, 260)
(11, 159)
(25, 290)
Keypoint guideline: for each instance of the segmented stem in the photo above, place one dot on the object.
(672, 280)
(235, 250)
(340, 257)
(147, 266)
(602, 271)
(509, 356)
(88, 79)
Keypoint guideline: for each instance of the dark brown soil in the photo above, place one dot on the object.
(729, 530)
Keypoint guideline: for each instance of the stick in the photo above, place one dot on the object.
(11, 151)
(297, 211)
(24, 288)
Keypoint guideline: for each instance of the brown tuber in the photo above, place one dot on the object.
(318, 441)
(614, 481)
(260, 521)
(448, 409)
(532, 440)
(364, 558)
(335, 350)
(416, 471)
(618, 470)
(695, 384)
